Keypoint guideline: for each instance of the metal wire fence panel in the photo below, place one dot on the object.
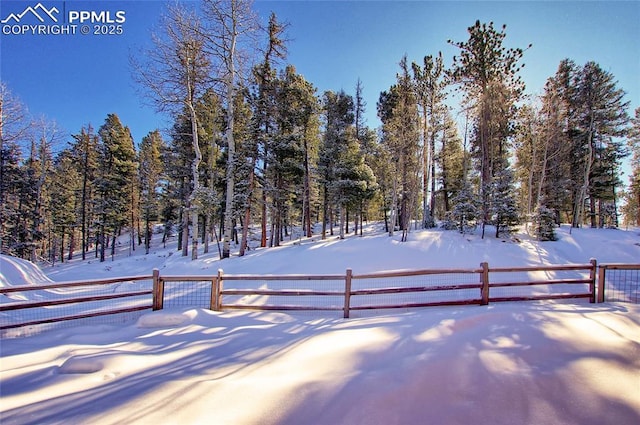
(25, 310)
(289, 294)
(32, 310)
(539, 284)
(408, 291)
(188, 293)
(622, 285)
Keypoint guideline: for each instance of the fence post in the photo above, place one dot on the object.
(602, 271)
(214, 294)
(217, 291)
(347, 292)
(484, 279)
(158, 290)
(592, 279)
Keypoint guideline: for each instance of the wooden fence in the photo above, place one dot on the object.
(346, 292)
(60, 295)
(622, 283)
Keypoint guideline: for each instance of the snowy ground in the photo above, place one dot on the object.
(512, 363)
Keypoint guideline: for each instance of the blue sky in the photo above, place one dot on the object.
(78, 79)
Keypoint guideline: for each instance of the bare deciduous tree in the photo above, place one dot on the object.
(231, 28)
(176, 71)
(14, 124)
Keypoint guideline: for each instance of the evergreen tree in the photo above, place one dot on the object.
(465, 212)
(84, 150)
(504, 212)
(263, 102)
(450, 158)
(13, 176)
(488, 73)
(66, 184)
(398, 112)
(632, 206)
(116, 171)
(603, 121)
(544, 224)
(14, 124)
(338, 127)
(211, 127)
(178, 159)
(150, 174)
(430, 91)
(288, 159)
(367, 140)
(39, 167)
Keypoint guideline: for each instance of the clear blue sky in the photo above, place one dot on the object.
(78, 79)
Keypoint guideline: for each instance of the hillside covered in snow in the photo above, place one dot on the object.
(505, 363)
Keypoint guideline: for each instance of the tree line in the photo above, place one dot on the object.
(254, 150)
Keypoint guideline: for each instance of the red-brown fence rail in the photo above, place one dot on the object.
(35, 305)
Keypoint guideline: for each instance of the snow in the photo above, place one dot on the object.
(505, 363)
(16, 272)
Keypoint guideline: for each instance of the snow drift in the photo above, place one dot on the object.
(524, 363)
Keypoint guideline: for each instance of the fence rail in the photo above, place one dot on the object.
(34, 305)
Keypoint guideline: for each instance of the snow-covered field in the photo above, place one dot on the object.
(511, 363)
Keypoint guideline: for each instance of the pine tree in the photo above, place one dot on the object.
(450, 158)
(39, 168)
(465, 212)
(398, 112)
(544, 224)
(84, 150)
(488, 73)
(603, 122)
(14, 124)
(212, 174)
(291, 151)
(367, 140)
(503, 210)
(66, 184)
(430, 91)
(339, 119)
(150, 173)
(263, 102)
(116, 171)
(632, 206)
(178, 160)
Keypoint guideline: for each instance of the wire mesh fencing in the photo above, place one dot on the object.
(619, 283)
(538, 283)
(35, 307)
(32, 309)
(417, 289)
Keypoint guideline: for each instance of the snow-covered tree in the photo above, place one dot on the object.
(544, 224)
(503, 210)
(465, 212)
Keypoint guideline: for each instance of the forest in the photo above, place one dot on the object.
(254, 151)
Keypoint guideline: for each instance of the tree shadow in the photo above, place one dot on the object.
(452, 365)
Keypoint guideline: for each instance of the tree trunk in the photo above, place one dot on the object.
(247, 212)
(185, 231)
(306, 202)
